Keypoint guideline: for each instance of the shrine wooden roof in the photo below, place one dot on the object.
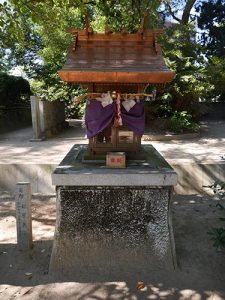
(115, 58)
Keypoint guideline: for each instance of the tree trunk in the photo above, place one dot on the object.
(187, 10)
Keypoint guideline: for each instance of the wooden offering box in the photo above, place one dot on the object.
(116, 160)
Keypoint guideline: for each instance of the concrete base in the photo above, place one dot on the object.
(111, 231)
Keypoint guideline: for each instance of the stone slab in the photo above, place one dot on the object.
(35, 112)
(153, 171)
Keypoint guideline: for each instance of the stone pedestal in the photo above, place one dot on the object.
(112, 223)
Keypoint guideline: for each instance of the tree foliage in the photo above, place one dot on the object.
(40, 40)
(33, 35)
(13, 90)
(211, 21)
(128, 14)
(183, 55)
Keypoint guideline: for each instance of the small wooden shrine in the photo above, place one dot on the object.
(116, 68)
(113, 219)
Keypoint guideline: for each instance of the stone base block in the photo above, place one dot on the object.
(111, 233)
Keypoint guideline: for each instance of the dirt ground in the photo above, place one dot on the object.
(200, 275)
(16, 148)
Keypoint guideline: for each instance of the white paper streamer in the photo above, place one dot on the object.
(128, 104)
(105, 99)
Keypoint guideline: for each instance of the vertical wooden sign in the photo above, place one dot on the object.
(23, 216)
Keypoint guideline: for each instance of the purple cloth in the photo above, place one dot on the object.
(98, 117)
(134, 119)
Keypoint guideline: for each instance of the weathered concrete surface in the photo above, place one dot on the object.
(39, 175)
(112, 227)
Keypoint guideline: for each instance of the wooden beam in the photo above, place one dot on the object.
(116, 77)
(103, 36)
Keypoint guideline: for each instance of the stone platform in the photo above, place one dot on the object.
(112, 223)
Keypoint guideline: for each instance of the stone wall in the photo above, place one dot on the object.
(53, 117)
(14, 118)
(192, 177)
(39, 176)
(213, 111)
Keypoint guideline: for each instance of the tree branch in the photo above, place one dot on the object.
(171, 12)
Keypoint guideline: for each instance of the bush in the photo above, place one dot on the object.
(218, 234)
(51, 88)
(13, 90)
(181, 121)
(186, 58)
